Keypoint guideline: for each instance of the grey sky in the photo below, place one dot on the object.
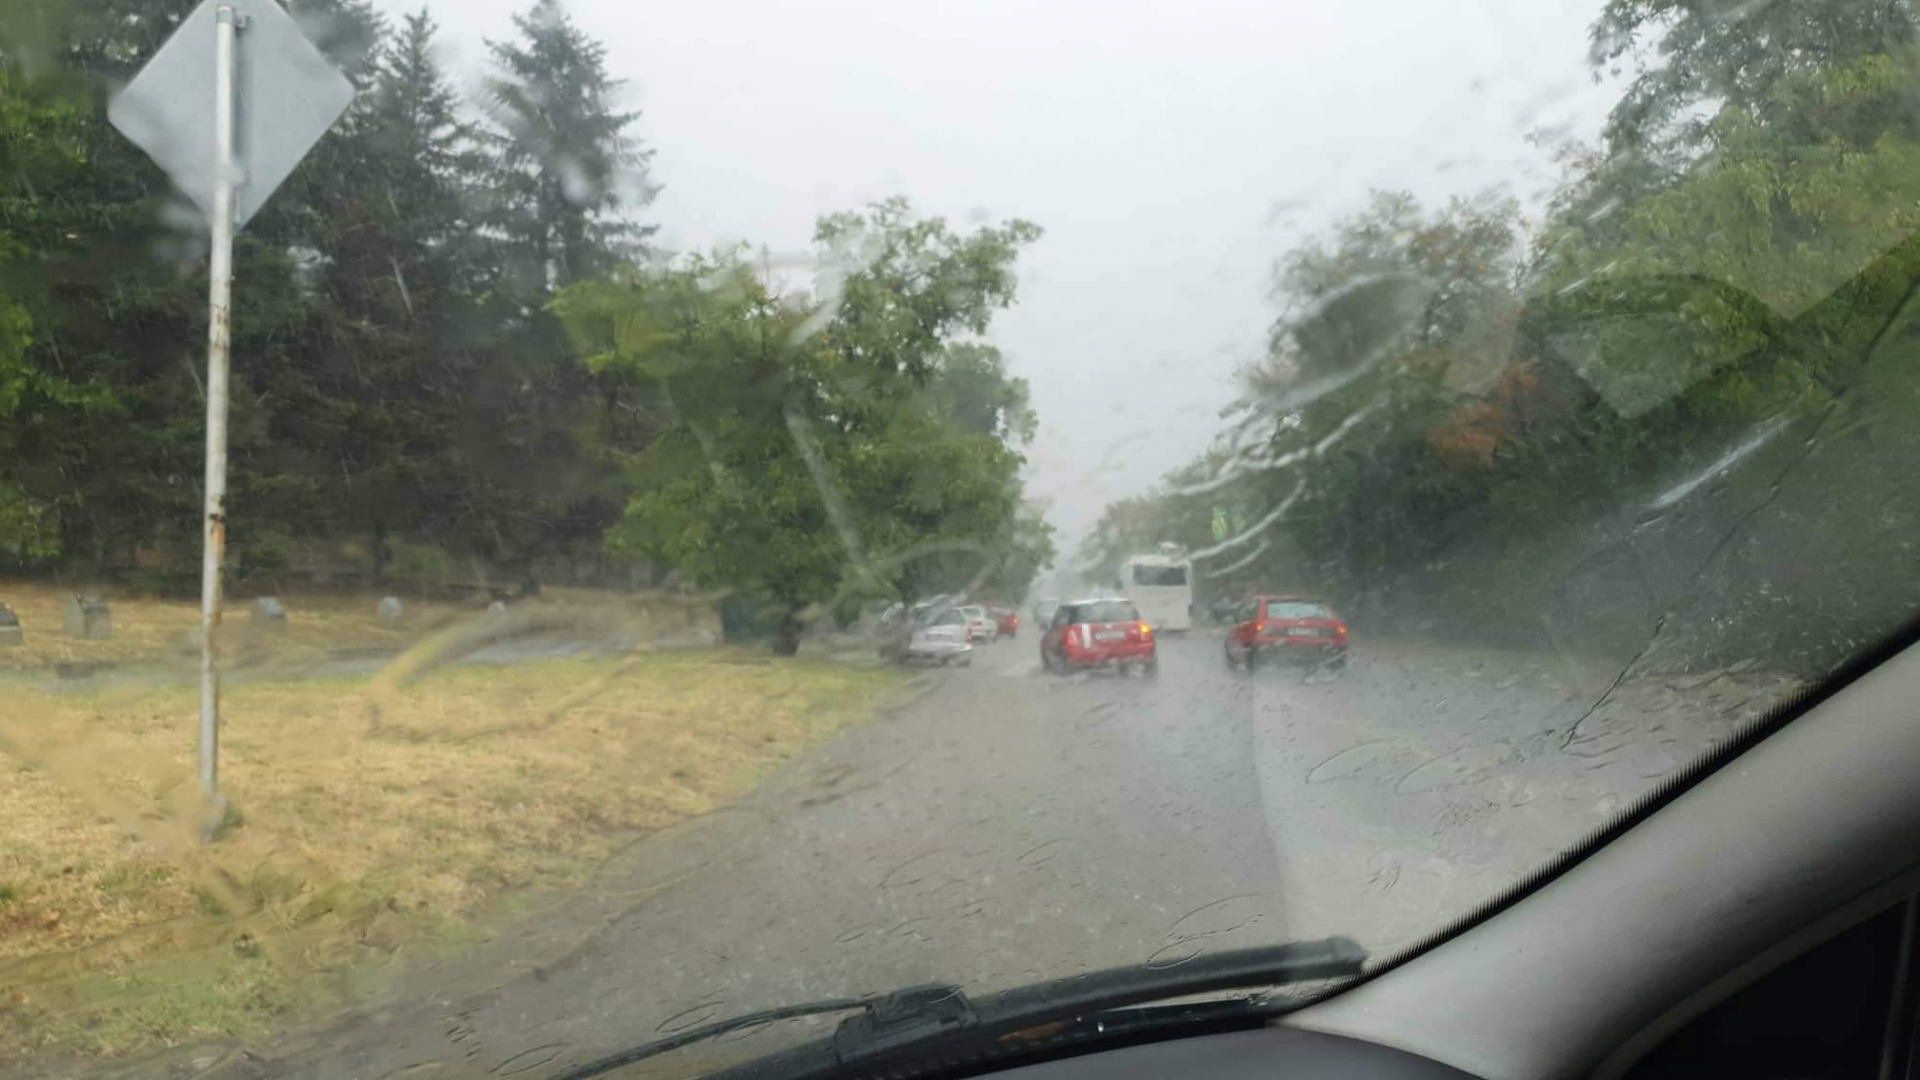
(1171, 150)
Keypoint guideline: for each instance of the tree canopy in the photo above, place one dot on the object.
(822, 447)
(419, 376)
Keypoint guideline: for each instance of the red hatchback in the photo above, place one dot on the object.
(1287, 627)
(1099, 633)
(1006, 617)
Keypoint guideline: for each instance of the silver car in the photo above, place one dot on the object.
(980, 625)
(938, 637)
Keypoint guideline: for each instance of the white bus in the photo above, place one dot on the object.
(1160, 585)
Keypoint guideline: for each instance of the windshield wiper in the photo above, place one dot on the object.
(924, 1028)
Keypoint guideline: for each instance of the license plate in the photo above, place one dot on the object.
(1307, 631)
(1109, 635)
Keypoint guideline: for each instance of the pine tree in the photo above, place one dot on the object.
(564, 166)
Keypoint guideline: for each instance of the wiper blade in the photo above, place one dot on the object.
(942, 1027)
(703, 1032)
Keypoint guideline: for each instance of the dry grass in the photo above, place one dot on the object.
(369, 812)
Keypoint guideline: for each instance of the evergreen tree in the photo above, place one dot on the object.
(564, 166)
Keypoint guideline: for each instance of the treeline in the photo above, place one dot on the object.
(1675, 418)
(456, 345)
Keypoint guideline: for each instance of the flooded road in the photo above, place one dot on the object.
(1006, 826)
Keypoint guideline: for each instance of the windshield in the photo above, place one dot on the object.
(469, 539)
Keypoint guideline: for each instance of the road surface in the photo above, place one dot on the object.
(1007, 826)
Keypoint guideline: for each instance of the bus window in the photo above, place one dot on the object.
(1159, 575)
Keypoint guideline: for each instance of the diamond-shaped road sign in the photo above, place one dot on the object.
(286, 95)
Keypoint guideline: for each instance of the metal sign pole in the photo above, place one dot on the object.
(267, 114)
(219, 340)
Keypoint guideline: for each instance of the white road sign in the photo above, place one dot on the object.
(286, 95)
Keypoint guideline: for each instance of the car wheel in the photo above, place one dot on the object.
(1151, 669)
(1253, 659)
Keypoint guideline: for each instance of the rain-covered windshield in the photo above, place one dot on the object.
(473, 613)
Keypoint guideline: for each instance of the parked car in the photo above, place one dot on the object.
(981, 629)
(1006, 619)
(1296, 628)
(938, 637)
(1101, 633)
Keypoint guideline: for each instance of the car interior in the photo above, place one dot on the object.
(1755, 917)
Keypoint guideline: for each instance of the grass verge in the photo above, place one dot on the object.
(366, 815)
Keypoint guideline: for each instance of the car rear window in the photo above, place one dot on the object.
(1106, 611)
(1297, 609)
(950, 617)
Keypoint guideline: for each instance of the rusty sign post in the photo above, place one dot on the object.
(227, 107)
(219, 348)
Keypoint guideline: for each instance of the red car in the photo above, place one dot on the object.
(1006, 617)
(1105, 633)
(1287, 627)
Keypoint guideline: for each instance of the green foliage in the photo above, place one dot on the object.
(410, 561)
(974, 391)
(389, 381)
(1729, 51)
(815, 448)
(564, 166)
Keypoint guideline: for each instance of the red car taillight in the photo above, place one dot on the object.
(1340, 631)
(1146, 632)
(1073, 636)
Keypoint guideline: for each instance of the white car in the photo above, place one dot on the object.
(939, 638)
(980, 626)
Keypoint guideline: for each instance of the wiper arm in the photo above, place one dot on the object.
(937, 1021)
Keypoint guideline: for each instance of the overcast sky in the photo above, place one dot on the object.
(1171, 150)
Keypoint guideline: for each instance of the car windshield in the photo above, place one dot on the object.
(472, 508)
(1296, 609)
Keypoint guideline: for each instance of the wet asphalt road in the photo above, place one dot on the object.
(1008, 826)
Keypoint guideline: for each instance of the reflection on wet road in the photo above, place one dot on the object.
(1008, 826)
